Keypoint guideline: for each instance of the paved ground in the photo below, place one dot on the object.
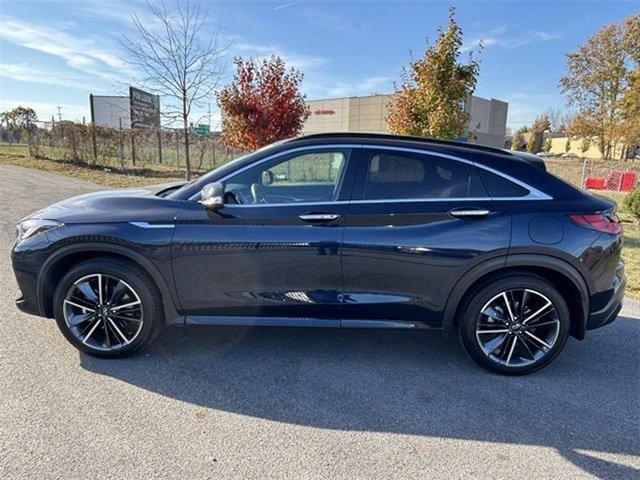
(297, 403)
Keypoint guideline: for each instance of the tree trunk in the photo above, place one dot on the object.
(185, 123)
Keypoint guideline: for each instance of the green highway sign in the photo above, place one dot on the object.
(203, 130)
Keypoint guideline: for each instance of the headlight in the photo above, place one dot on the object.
(33, 226)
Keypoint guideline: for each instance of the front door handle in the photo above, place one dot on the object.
(318, 217)
(469, 212)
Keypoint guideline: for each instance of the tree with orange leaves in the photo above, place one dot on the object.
(262, 104)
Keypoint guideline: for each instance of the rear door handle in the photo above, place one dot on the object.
(318, 217)
(469, 212)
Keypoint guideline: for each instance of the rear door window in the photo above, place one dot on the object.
(395, 175)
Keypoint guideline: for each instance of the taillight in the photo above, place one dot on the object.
(603, 222)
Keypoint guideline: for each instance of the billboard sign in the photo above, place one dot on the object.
(145, 109)
(110, 111)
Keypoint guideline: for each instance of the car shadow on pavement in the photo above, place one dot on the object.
(408, 382)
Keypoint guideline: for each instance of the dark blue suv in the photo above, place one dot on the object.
(335, 230)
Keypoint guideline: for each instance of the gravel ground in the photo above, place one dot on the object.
(300, 403)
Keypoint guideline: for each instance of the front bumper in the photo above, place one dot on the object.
(611, 310)
(28, 301)
(27, 305)
(27, 258)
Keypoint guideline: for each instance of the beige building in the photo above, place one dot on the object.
(583, 148)
(488, 117)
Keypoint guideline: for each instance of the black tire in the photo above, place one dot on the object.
(132, 277)
(472, 324)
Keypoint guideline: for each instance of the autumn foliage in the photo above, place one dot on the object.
(262, 104)
(603, 81)
(431, 98)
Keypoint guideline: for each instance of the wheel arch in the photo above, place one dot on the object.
(58, 263)
(560, 273)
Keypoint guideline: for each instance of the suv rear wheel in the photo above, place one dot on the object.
(515, 325)
(107, 307)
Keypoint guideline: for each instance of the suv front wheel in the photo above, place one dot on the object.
(107, 307)
(515, 325)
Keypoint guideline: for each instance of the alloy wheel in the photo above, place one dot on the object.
(103, 312)
(517, 327)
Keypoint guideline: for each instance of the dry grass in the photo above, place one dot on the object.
(107, 177)
(631, 250)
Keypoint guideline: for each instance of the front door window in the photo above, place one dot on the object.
(309, 177)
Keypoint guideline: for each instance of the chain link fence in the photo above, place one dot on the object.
(596, 174)
(150, 152)
(161, 153)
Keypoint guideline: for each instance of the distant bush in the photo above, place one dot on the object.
(632, 203)
(516, 143)
(584, 145)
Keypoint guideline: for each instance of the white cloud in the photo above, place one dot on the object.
(361, 87)
(326, 20)
(284, 5)
(26, 73)
(546, 36)
(45, 110)
(525, 106)
(116, 10)
(79, 53)
(297, 60)
(502, 37)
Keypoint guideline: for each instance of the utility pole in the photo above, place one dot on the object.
(213, 148)
(61, 125)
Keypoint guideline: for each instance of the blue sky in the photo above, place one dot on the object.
(54, 53)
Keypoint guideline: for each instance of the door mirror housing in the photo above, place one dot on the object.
(212, 196)
(267, 177)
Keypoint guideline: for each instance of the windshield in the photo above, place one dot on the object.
(221, 171)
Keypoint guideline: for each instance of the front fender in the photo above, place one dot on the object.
(169, 298)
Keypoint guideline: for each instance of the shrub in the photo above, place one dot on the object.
(632, 203)
(584, 145)
(516, 143)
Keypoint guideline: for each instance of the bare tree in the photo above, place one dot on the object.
(176, 57)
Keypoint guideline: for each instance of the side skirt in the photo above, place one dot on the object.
(304, 322)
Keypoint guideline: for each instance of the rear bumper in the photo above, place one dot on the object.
(609, 313)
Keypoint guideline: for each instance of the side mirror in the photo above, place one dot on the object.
(212, 195)
(267, 177)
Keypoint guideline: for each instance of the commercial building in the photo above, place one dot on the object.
(488, 117)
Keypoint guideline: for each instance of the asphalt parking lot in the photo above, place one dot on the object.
(301, 403)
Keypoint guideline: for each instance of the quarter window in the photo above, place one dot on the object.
(404, 175)
(500, 187)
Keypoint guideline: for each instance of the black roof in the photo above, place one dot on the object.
(423, 141)
(407, 138)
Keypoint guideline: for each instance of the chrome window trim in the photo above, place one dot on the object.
(152, 225)
(534, 193)
(276, 155)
